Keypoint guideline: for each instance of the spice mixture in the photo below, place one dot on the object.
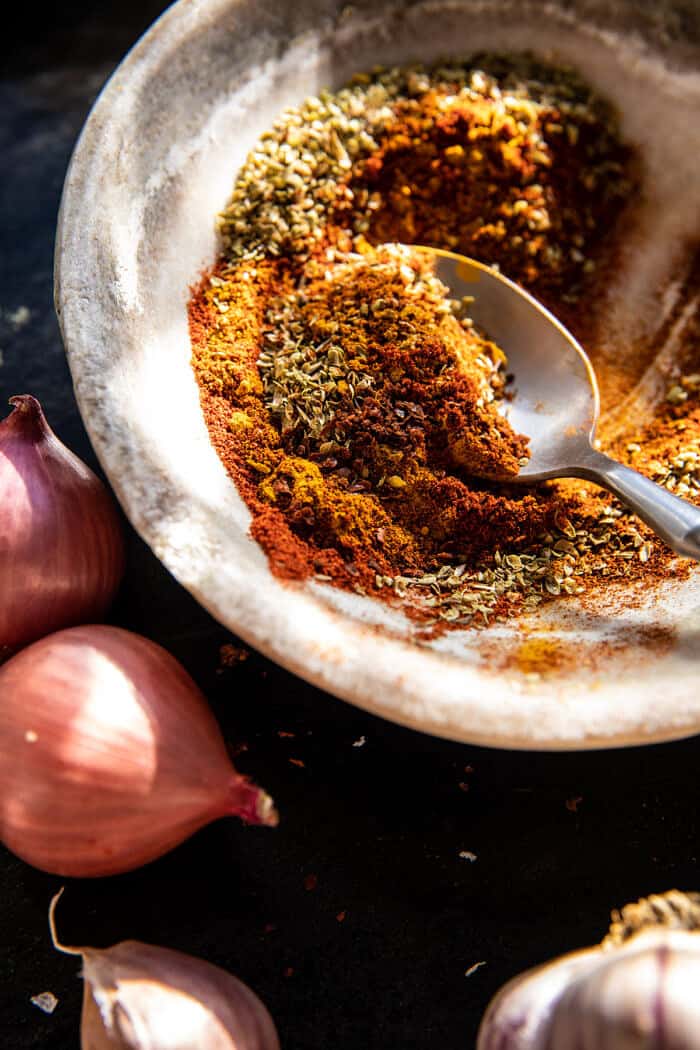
(352, 400)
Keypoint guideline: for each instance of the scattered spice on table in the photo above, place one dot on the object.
(353, 402)
(46, 1001)
(231, 655)
(539, 653)
(18, 318)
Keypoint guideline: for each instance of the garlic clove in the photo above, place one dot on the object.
(519, 1016)
(141, 997)
(679, 1003)
(93, 1034)
(642, 995)
(614, 1004)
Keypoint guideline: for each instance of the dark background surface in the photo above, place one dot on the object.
(381, 825)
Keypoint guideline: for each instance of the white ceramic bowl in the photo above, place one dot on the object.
(153, 166)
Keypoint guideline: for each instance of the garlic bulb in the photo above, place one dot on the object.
(109, 755)
(140, 997)
(639, 990)
(61, 545)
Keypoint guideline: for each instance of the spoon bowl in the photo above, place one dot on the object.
(555, 400)
(555, 394)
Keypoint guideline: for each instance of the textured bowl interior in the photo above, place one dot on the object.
(154, 165)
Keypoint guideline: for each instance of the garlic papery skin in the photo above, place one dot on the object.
(645, 995)
(109, 755)
(61, 543)
(140, 997)
(638, 992)
(518, 1018)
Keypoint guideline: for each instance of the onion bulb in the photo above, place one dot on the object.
(61, 545)
(140, 997)
(109, 755)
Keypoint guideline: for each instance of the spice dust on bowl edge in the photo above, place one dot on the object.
(587, 671)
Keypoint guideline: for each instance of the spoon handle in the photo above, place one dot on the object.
(674, 519)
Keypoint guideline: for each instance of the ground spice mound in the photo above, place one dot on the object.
(520, 165)
(418, 393)
(346, 461)
(353, 402)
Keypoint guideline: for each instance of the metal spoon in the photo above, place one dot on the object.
(556, 400)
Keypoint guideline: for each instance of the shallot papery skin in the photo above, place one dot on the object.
(61, 543)
(140, 997)
(109, 755)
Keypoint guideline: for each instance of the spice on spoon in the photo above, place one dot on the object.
(356, 464)
(419, 391)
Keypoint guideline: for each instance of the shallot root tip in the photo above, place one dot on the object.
(66, 949)
(267, 811)
(253, 805)
(28, 414)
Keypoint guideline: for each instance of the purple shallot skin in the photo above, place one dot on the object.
(61, 541)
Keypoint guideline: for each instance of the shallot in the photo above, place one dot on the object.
(109, 755)
(61, 544)
(140, 997)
